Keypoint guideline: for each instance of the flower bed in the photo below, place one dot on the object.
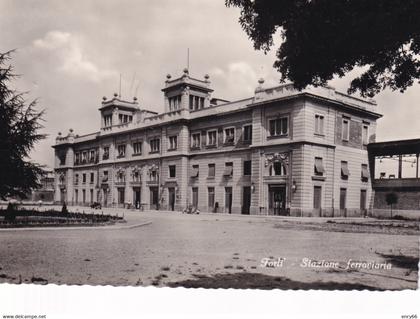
(17, 218)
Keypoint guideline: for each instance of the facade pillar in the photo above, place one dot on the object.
(144, 191)
(399, 166)
(127, 189)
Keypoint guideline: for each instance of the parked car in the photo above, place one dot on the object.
(96, 205)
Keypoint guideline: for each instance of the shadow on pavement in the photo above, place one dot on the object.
(247, 280)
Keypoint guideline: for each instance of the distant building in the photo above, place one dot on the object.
(281, 151)
(46, 191)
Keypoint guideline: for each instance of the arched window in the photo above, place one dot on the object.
(277, 168)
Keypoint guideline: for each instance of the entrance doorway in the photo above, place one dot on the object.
(171, 193)
(154, 197)
(228, 200)
(343, 196)
(277, 200)
(317, 200)
(136, 197)
(195, 197)
(363, 210)
(246, 200)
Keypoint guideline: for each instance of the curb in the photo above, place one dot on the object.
(75, 228)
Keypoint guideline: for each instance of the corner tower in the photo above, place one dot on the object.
(186, 92)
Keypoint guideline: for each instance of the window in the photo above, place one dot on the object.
(84, 195)
(137, 148)
(136, 176)
(92, 156)
(76, 195)
(210, 192)
(365, 134)
(76, 179)
(247, 133)
(92, 178)
(195, 171)
(121, 150)
(173, 142)
(154, 176)
(344, 170)
(91, 196)
(196, 102)
(120, 177)
(84, 178)
(277, 169)
(108, 120)
(345, 130)
(212, 170)
(77, 158)
(228, 169)
(247, 168)
(84, 157)
(155, 145)
(318, 167)
(279, 127)
(196, 140)
(172, 171)
(124, 118)
(105, 177)
(174, 103)
(105, 156)
(319, 124)
(365, 173)
(211, 138)
(229, 135)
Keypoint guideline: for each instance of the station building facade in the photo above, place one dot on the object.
(279, 152)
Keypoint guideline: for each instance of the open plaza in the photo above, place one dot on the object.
(163, 248)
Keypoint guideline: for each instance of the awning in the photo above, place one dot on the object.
(344, 169)
(194, 172)
(228, 171)
(319, 168)
(365, 174)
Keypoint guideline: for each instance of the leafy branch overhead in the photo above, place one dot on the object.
(324, 38)
(19, 126)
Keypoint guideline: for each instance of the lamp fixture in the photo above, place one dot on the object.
(252, 187)
(294, 186)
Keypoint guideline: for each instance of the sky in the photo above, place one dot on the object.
(71, 53)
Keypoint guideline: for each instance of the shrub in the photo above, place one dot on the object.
(11, 211)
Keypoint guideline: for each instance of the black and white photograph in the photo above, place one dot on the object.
(234, 144)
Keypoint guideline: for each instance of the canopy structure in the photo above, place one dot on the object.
(395, 148)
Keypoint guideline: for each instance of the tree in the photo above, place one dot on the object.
(19, 125)
(327, 38)
(391, 199)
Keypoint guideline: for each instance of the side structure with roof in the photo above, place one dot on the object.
(279, 152)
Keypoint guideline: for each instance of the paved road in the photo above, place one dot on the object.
(176, 246)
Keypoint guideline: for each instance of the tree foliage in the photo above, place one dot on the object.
(391, 198)
(19, 126)
(324, 38)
